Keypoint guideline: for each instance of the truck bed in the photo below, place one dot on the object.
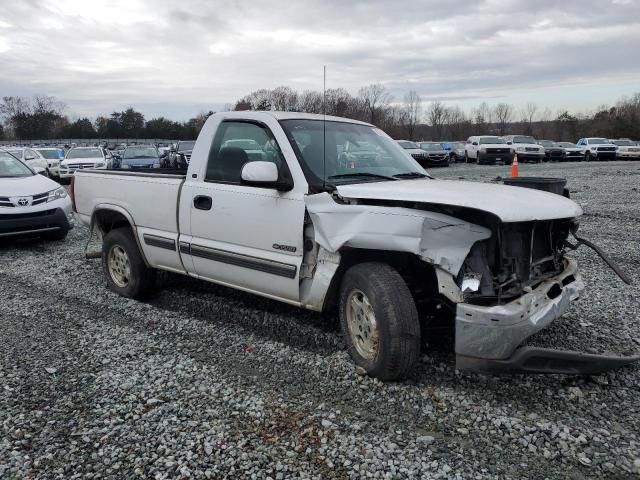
(149, 198)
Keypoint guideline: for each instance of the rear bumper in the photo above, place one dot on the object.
(495, 332)
(35, 223)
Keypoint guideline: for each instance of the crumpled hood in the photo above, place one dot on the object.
(26, 186)
(510, 204)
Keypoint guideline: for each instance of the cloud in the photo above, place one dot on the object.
(105, 55)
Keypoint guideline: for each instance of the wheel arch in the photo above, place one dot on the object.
(107, 217)
(409, 266)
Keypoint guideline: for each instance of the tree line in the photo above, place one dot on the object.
(42, 117)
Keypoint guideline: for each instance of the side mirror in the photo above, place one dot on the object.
(475, 143)
(263, 174)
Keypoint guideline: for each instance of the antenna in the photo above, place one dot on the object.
(324, 127)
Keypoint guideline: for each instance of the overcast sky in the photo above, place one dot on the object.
(177, 58)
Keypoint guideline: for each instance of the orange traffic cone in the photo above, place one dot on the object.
(514, 165)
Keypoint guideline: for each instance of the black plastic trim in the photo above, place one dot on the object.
(160, 242)
(245, 261)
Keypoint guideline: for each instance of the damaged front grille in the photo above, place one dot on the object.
(521, 255)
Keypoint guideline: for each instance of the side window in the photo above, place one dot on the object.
(237, 143)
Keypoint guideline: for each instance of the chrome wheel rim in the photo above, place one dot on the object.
(363, 328)
(119, 266)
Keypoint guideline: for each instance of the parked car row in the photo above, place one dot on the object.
(491, 149)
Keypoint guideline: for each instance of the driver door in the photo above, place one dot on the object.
(245, 236)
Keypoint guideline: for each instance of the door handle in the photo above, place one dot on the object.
(202, 202)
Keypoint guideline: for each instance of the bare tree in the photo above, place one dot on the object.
(12, 106)
(483, 117)
(528, 115)
(310, 101)
(436, 115)
(504, 115)
(284, 99)
(456, 122)
(374, 97)
(409, 114)
(544, 123)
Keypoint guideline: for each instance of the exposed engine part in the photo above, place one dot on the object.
(515, 259)
(581, 241)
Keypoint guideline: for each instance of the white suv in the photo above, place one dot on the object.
(526, 148)
(596, 148)
(79, 158)
(31, 157)
(487, 149)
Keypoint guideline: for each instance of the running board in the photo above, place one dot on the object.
(546, 360)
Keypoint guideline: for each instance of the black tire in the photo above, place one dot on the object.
(396, 319)
(466, 157)
(587, 157)
(141, 279)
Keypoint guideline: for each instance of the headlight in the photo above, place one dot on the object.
(520, 149)
(56, 194)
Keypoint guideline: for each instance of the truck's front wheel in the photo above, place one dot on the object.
(124, 266)
(379, 320)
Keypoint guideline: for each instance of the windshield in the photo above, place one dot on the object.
(523, 139)
(140, 152)
(407, 145)
(84, 153)
(624, 143)
(11, 167)
(431, 146)
(546, 143)
(567, 144)
(51, 154)
(16, 153)
(597, 141)
(458, 146)
(490, 140)
(351, 153)
(182, 146)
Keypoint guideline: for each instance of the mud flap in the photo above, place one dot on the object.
(545, 360)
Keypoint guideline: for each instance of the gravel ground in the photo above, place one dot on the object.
(206, 382)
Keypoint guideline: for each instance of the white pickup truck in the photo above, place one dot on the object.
(273, 204)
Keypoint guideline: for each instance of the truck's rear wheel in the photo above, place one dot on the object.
(124, 266)
(379, 321)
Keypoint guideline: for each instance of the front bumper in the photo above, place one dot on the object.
(495, 332)
(530, 156)
(632, 155)
(486, 157)
(32, 223)
(605, 155)
(66, 172)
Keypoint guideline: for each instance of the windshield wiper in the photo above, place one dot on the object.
(411, 175)
(361, 174)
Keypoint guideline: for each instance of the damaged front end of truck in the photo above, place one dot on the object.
(504, 277)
